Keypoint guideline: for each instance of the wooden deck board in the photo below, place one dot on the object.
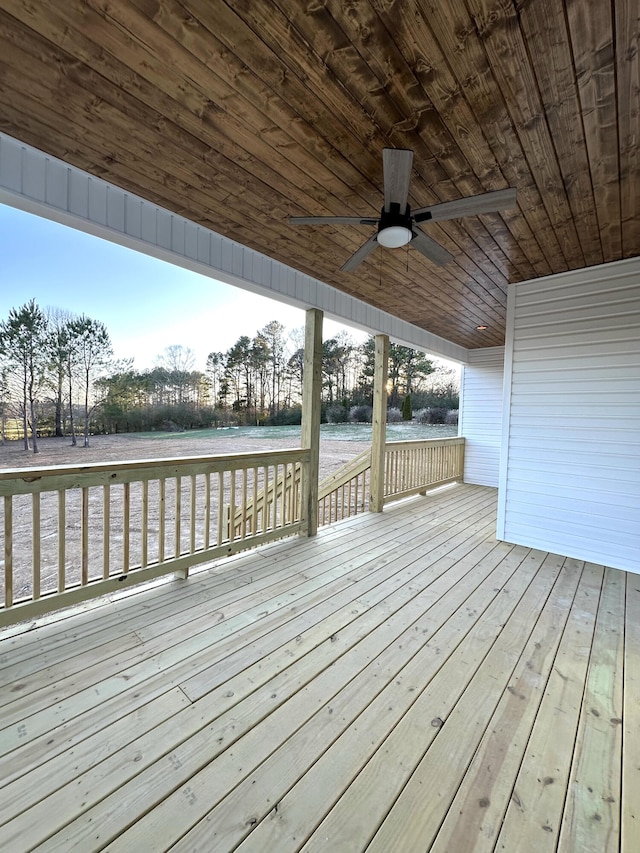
(591, 819)
(631, 715)
(400, 682)
(181, 603)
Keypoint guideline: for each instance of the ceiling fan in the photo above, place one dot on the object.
(397, 224)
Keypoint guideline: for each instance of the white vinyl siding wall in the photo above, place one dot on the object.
(570, 475)
(481, 415)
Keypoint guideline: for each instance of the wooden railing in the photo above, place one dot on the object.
(285, 489)
(411, 467)
(345, 492)
(73, 533)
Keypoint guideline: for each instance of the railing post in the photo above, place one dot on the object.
(311, 400)
(379, 433)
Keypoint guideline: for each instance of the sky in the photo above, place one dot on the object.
(146, 304)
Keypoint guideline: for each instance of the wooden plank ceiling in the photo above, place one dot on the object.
(239, 114)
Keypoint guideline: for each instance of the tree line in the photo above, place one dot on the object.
(57, 370)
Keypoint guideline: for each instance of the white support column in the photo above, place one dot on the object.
(311, 403)
(379, 434)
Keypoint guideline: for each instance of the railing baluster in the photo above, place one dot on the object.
(62, 540)
(393, 485)
(106, 531)
(265, 502)
(162, 494)
(286, 496)
(290, 481)
(84, 536)
(8, 551)
(126, 527)
(178, 517)
(220, 506)
(275, 498)
(207, 510)
(294, 492)
(254, 508)
(192, 512)
(243, 510)
(144, 545)
(232, 507)
(35, 520)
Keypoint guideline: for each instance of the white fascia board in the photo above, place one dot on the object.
(45, 186)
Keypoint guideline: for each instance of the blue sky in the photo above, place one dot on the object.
(145, 304)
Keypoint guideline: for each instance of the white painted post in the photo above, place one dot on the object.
(379, 433)
(311, 403)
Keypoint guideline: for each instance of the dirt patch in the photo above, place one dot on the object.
(115, 448)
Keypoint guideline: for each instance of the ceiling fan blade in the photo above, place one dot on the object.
(490, 202)
(396, 168)
(360, 255)
(429, 248)
(332, 220)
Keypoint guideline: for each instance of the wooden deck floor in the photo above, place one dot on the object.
(399, 683)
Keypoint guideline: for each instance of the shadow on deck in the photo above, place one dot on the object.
(400, 682)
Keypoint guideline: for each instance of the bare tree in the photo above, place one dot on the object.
(91, 352)
(58, 346)
(179, 361)
(22, 344)
(5, 396)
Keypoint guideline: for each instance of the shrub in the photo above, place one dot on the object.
(432, 415)
(361, 414)
(394, 416)
(171, 426)
(337, 414)
(452, 417)
(291, 416)
(437, 415)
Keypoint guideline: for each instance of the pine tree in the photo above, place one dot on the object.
(407, 412)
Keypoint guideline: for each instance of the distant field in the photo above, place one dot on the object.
(334, 432)
(338, 444)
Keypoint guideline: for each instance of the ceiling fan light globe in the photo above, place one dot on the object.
(394, 236)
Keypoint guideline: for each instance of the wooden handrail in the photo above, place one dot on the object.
(411, 467)
(342, 476)
(95, 527)
(345, 492)
(81, 540)
(14, 481)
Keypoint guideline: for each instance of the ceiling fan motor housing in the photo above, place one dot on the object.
(395, 228)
